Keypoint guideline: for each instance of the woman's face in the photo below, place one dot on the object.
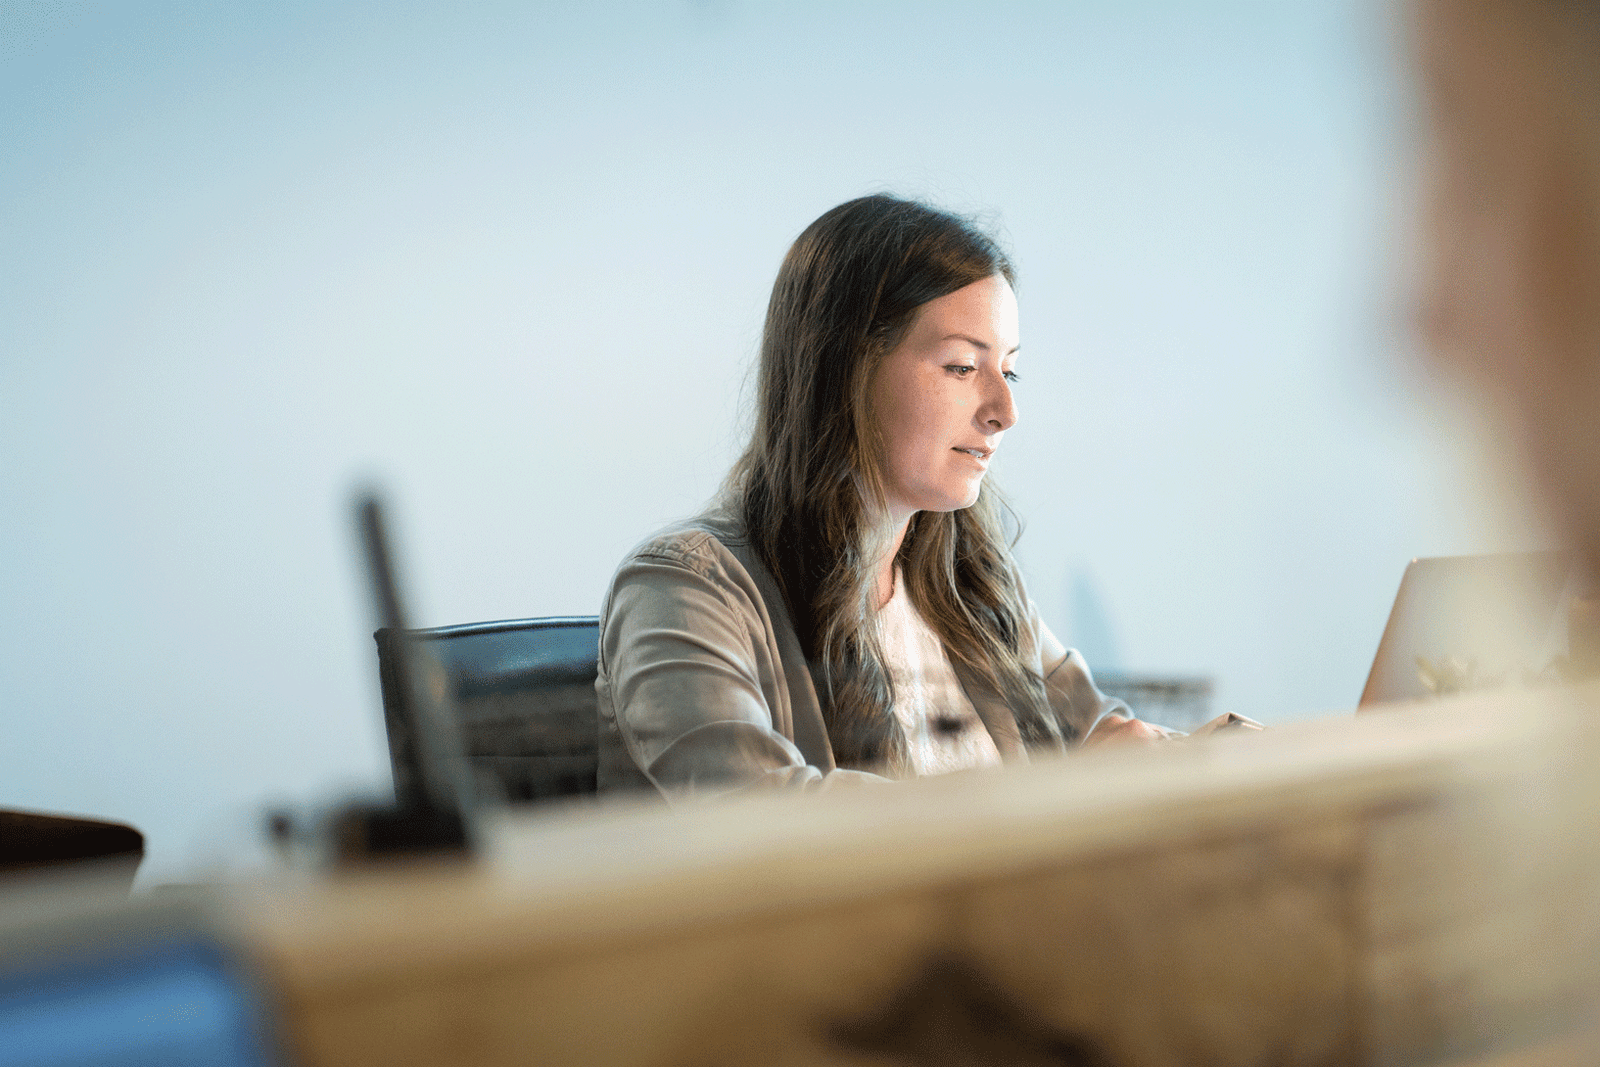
(942, 398)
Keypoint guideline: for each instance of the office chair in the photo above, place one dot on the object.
(524, 693)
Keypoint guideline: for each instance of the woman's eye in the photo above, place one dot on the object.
(1012, 376)
(961, 369)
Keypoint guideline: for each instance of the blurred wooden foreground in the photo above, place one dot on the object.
(1414, 886)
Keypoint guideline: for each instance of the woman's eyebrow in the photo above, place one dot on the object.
(973, 341)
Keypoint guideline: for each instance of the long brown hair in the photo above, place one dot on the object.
(845, 295)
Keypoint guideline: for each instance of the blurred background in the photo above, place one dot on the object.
(509, 261)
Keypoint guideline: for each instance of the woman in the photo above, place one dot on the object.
(849, 609)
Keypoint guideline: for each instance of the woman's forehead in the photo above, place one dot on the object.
(984, 312)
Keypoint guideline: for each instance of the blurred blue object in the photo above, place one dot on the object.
(177, 1001)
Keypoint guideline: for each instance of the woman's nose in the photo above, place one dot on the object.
(999, 411)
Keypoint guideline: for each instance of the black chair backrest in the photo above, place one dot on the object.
(524, 691)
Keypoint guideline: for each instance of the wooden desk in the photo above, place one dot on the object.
(1410, 887)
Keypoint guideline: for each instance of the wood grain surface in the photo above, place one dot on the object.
(1410, 887)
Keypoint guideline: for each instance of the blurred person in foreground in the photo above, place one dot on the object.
(1511, 241)
(1511, 304)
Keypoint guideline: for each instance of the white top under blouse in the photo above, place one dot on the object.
(943, 731)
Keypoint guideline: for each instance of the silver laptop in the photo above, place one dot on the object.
(1461, 623)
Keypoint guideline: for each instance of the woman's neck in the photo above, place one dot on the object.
(896, 535)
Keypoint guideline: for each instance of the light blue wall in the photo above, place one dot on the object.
(511, 259)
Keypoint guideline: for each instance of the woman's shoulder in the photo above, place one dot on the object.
(705, 542)
(701, 564)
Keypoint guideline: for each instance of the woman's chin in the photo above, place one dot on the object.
(956, 501)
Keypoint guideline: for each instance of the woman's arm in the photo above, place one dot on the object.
(1081, 709)
(692, 676)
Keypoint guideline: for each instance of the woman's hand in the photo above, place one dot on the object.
(1117, 730)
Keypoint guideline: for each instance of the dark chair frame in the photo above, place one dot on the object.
(523, 693)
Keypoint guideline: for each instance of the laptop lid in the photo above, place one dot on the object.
(1469, 622)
